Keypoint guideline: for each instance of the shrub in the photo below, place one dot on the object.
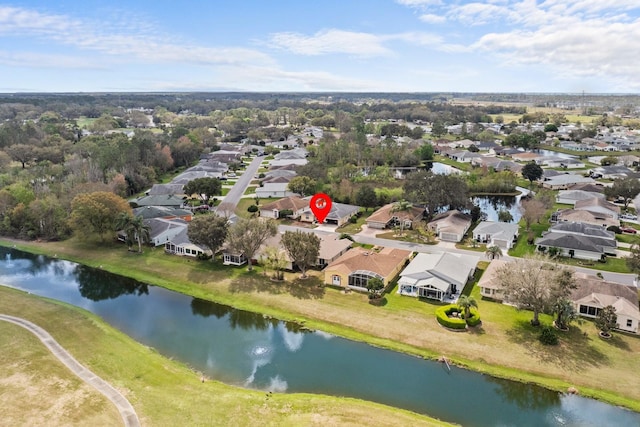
(548, 336)
(353, 219)
(252, 209)
(615, 229)
(285, 213)
(474, 319)
(442, 315)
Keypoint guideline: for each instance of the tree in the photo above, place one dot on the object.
(374, 286)
(205, 188)
(209, 231)
(493, 252)
(608, 161)
(627, 188)
(425, 152)
(275, 259)
(550, 127)
(247, 235)
(22, 153)
(505, 216)
(607, 320)
(96, 212)
(532, 211)
(303, 248)
(302, 185)
(535, 283)
(438, 129)
(366, 197)
(532, 171)
(436, 191)
(141, 231)
(565, 313)
(633, 260)
(123, 223)
(401, 206)
(465, 303)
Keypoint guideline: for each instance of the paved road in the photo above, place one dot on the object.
(229, 203)
(122, 404)
(624, 278)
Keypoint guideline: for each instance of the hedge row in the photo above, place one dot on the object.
(442, 314)
(474, 319)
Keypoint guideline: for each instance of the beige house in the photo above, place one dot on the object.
(354, 268)
(386, 217)
(450, 226)
(293, 203)
(487, 283)
(331, 247)
(586, 217)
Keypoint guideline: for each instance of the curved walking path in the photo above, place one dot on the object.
(122, 404)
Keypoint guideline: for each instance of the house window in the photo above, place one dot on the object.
(584, 309)
(629, 323)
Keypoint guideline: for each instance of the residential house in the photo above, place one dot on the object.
(489, 286)
(497, 164)
(598, 205)
(354, 268)
(271, 189)
(167, 200)
(586, 217)
(613, 172)
(339, 214)
(578, 240)
(561, 162)
(527, 156)
(450, 226)
(501, 234)
(148, 212)
(437, 276)
(463, 156)
(387, 217)
(593, 294)
(331, 248)
(285, 162)
(592, 188)
(570, 197)
(292, 203)
(162, 230)
(181, 245)
(564, 181)
(162, 189)
(187, 176)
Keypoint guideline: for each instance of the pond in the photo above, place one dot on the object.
(492, 205)
(250, 350)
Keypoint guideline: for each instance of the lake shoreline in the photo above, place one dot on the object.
(308, 321)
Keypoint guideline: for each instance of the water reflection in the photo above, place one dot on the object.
(492, 205)
(524, 396)
(98, 285)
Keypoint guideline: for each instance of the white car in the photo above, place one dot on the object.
(629, 216)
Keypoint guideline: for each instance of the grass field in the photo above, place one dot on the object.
(37, 390)
(505, 345)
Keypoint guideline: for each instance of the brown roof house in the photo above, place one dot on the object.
(450, 226)
(386, 217)
(275, 210)
(489, 288)
(354, 268)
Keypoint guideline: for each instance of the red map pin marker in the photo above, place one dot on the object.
(320, 205)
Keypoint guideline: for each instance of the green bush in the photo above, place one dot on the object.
(442, 315)
(474, 319)
(548, 336)
(252, 209)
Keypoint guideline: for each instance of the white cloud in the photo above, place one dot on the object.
(419, 3)
(430, 18)
(41, 60)
(118, 40)
(331, 41)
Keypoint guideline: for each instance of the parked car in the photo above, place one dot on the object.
(629, 216)
(628, 230)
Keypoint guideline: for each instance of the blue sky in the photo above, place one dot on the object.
(321, 45)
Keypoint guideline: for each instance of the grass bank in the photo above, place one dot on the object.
(504, 346)
(162, 391)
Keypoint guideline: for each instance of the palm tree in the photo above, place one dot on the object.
(123, 223)
(141, 231)
(493, 252)
(465, 303)
(401, 206)
(565, 313)
(606, 320)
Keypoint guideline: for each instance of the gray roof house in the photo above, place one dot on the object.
(598, 205)
(579, 240)
(437, 276)
(272, 189)
(450, 226)
(181, 245)
(500, 234)
(168, 200)
(160, 189)
(339, 214)
(564, 181)
(570, 197)
(163, 230)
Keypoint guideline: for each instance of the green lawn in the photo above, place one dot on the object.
(163, 392)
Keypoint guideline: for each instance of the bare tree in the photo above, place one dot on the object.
(532, 211)
(247, 235)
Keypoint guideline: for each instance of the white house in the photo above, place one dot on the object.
(162, 230)
(181, 245)
(273, 189)
(570, 197)
(437, 276)
(500, 234)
